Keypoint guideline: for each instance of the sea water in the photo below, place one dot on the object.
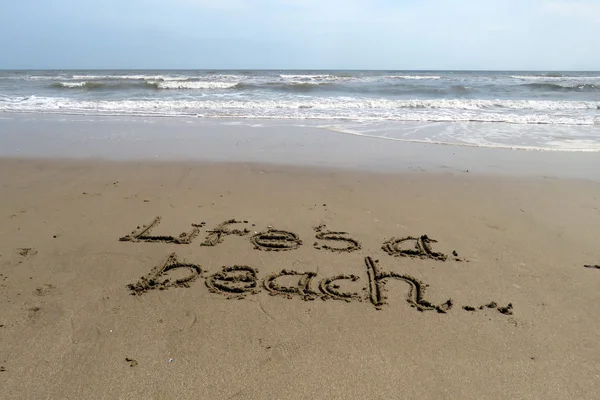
(512, 109)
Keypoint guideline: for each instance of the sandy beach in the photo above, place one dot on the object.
(285, 199)
(194, 279)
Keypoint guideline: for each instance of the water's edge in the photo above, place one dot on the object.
(271, 142)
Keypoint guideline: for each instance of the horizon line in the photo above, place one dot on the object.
(295, 69)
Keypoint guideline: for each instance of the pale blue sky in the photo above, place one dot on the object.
(301, 34)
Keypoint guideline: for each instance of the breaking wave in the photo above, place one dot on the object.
(557, 77)
(556, 87)
(414, 77)
(91, 85)
(509, 111)
(131, 77)
(198, 85)
(180, 85)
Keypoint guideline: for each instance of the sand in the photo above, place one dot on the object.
(295, 143)
(191, 280)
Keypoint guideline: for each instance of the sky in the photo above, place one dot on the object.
(301, 34)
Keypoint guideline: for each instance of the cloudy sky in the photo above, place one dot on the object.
(301, 34)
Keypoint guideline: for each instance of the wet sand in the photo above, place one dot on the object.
(296, 143)
(267, 281)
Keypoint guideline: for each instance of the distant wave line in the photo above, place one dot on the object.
(555, 78)
(556, 87)
(322, 103)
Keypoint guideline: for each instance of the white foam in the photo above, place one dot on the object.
(478, 141)
(41, 78)
(414, 77)
(555, 78)
(314, 79)
(194, 85)
(71, 85)
(224, 77)
(284, 76)
(508, 111)
(131, 77)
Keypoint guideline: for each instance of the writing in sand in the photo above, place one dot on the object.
(239, 281)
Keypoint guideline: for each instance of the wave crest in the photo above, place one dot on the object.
(414, 77)
(180, 85)
(91, 85)
(555, 87)
(131, 77)
(198, 85)
(554, 78)
(355, 108)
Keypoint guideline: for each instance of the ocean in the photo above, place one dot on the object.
(513, 109)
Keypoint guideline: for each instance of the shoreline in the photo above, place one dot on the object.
(281, 143)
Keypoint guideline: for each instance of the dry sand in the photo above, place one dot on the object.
(70, 328)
